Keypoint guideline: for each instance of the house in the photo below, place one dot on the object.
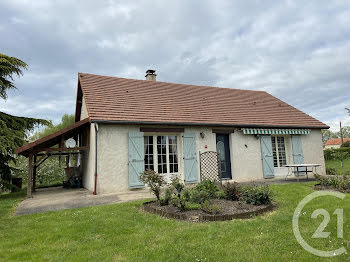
(334, 143)
(133, 125)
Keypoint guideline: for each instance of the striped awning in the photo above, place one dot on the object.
(273, 131)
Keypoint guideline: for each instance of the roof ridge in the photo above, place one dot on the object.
(143, 80)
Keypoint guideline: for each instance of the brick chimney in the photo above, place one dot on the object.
(151, 75)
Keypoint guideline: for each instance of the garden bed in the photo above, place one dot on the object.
(228, 210)
(330, 188)
(333, 182)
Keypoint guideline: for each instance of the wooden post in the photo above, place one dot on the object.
(30, 175)
(34, 174)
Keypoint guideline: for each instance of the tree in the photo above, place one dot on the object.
(66, 120)
(328, 134)
(9, 66)
(14, 130)
(346, 131)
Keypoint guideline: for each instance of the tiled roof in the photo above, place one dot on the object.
(143, 101)
(336, 141)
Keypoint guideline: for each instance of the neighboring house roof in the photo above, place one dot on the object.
(121, 100)
(336, 141)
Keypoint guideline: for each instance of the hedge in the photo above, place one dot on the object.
(337, 153)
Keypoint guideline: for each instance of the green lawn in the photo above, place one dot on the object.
(121, 233)
(336, 164)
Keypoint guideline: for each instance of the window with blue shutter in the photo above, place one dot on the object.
(267, 156)
(190, 158)
(136, 158)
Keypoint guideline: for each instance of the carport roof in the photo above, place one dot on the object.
(53, 139)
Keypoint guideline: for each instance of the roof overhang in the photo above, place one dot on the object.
(239, 125)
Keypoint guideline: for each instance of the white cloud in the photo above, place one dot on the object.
(296, 50)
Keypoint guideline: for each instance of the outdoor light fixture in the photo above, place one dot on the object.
(202, 135)
(257, 137)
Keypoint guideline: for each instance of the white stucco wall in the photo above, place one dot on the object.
(88, 162)
(331, 146)
(246, 163)
(84, 113)
(112, 157)
(313, 150)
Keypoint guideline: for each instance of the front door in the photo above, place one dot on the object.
(223, 148)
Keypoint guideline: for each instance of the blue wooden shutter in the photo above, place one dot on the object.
(136, 158)
(190, 158)
(298, 157)
(267, 156)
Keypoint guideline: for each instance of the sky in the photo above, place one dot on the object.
(296, 50)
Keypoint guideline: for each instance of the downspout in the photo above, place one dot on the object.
(96, 131)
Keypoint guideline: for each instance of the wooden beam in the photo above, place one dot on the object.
(223, 131)
(34, 174)
(44, 158)
(30, 175)
(62, 149)
(57, 153)
(162, 130)
(36, 162)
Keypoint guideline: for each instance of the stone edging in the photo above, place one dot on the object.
(205, 218)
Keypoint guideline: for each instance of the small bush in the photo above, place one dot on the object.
(177, 184)
(210, 208)
(331, 171)
(231, 191)
(165, 199)
(197, 196)
(256, 195)
(192, 206)
(208, 186)
(154, 180)
(220, 194)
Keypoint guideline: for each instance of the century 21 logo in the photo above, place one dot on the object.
(319, 233)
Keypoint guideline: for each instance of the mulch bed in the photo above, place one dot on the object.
(229, 210)
(330, 188)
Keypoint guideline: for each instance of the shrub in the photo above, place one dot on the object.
(256, 195)
(192, 206)
(165, 199)
(337, 182)
(197, 196)
(208, 186)
(331, 171)
(154, 180)
(346, 144)
(231, 191)
(336, 153)
(220, 194)
(177, 184)
(210, 208)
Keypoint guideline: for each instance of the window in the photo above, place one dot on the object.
(279, 151)
(149, 152)
(173, 160)
(161, 154)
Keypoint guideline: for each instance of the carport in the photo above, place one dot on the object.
(55, 144)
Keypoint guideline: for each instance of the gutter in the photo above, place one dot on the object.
(95, 185)
(201, 124)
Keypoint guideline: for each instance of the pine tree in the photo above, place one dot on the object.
(13, 130)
